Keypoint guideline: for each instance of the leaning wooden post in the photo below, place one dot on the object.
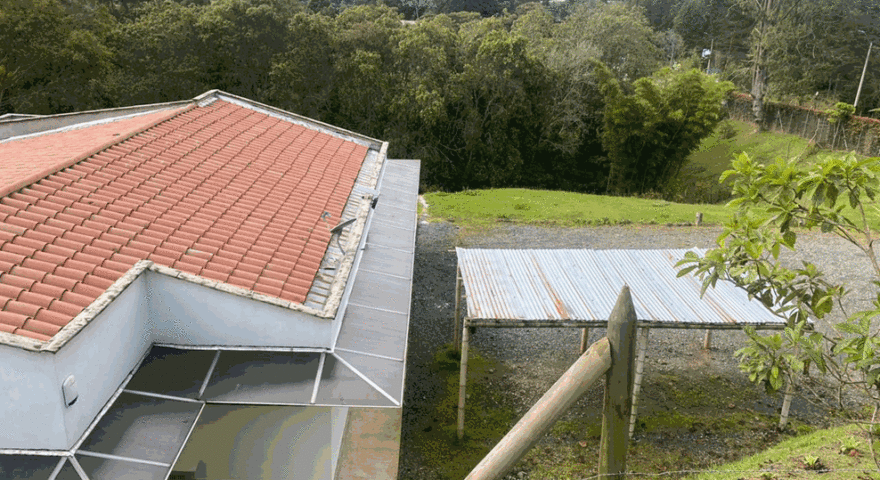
(618, 388)
(457, 328)
(462, 377)
(707, 340)
(585, 338)
(637, 384)
(786, 404)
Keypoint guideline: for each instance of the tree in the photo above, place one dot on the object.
(303, 77)
(158, 56)
(54, 57)
(625, 41)
(648, 134)
(240, 40)
(768, 15)
(836, 195)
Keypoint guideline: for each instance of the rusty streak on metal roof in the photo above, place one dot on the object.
(567, 287)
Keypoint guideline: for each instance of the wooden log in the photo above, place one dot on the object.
(618, 388)
(462, 378)
(585, 339)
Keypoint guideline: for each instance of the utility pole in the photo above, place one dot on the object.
(862, 81)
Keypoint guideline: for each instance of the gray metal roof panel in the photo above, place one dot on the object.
(565, 284)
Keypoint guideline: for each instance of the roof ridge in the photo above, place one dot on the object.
(83, 156)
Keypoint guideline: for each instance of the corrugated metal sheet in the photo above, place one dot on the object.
(569, 286)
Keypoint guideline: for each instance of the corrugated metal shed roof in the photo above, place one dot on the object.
(579, 287)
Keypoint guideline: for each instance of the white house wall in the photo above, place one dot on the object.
(185, 313)
(31, 400)
(103, 354)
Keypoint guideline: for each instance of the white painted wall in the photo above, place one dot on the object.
(31, 400)
(154, 308)
(103, 353)
(190, 314)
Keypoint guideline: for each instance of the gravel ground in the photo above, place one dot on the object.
(538, 356)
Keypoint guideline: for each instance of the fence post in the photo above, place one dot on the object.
(618, 388)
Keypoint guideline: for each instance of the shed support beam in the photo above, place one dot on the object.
(637, 384)
(707, 340)
(585, 339)
(457, 327)
(462, 377)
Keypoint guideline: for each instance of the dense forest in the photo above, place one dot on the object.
(582, 95)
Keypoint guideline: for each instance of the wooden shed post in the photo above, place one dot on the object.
(618, 388)
(585, 339)
(637, 384)
(707, 340)
(457, 327)
(462, 378)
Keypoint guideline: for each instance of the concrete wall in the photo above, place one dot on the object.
(154, 308)
(31, 399)
(190, 314)
(103, 353)
(99, 357)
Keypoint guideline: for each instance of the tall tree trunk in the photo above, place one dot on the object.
(759, 81)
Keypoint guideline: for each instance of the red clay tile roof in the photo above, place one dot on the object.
(23, 162)
(220, 191)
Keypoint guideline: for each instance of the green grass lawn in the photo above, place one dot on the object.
(842, 452)
(562, 208)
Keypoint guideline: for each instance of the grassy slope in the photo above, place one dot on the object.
(562, 208)
(715, 152)
(839, 450)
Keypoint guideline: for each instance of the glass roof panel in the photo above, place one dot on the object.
(387, 374)
(341, 386)
(143, 427)
(263, 377)
(36, 467)
(256, 442)
(375, 290)
(373, 331)
(171, 371)
(104, 469)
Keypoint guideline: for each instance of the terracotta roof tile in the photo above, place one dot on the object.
(222, 191)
